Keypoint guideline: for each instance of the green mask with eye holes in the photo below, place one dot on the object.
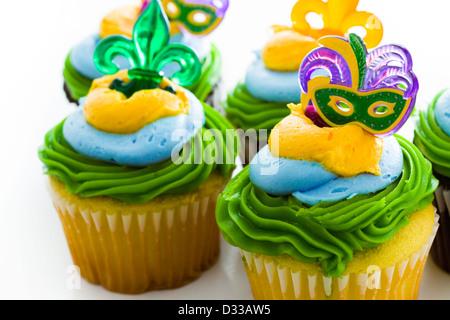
(377, 111)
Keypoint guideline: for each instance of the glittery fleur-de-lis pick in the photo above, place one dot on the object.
(148, 52)
(196, 17)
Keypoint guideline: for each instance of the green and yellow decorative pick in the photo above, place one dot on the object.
(148, 52)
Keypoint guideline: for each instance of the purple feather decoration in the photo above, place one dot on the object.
(328, 60)
(390, 66)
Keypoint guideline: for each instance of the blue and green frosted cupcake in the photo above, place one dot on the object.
(432, 137)
(342, 211)
(134, 173)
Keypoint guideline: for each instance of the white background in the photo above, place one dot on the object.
(35, 38)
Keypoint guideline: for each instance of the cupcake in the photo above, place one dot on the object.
(135, 172)
(342, 211)
(258, 102)
(186, 28)
(432, 137)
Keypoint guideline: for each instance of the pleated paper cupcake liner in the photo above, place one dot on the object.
(440, 251)
(270, 280)
(133, 248)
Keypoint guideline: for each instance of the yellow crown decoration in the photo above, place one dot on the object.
(289, 45)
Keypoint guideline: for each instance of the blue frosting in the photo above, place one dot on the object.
(311, 183)
(154, 143)
(82, 55)
(272, 86)
(442, 112)
(281, 176)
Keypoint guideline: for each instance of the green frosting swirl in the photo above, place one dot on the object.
(247, 112)
(78, 85)
(330, 232)
(432, 141)
(89, 178)
(211, 70)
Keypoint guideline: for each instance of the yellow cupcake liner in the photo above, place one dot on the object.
(271, 280)
(163, 244)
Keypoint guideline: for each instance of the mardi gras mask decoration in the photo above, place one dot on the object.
(376, 91)
(196, 17)
(148, 53)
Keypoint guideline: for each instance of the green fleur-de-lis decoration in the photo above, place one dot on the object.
(148, 52)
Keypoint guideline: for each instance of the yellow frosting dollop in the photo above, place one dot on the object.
(346, 151)
(111, 111)
(286, 49)
(120, 21)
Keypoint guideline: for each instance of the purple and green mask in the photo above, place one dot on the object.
(195, 17)
(344, 84)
